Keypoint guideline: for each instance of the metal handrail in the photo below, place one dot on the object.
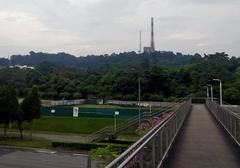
(231, 110)
(109, 130)
(234, 110)
(152, 148)
(227, 118)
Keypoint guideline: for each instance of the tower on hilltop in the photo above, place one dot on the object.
(152, 35)
(151, 49)
(140, 42)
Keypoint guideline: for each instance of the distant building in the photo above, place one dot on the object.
(148, 50)
(21, 67)
(151, 49)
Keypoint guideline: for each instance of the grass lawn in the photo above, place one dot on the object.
(81, 125)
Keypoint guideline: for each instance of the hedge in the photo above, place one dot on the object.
(89, 146)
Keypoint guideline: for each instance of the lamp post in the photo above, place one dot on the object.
(207, 93)
(116, 113)
(211, 91)
(220, 87)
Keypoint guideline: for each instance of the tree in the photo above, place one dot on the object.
(9, 106)
(20, 117)
(31, 106)
(232, 95)
(3, 115)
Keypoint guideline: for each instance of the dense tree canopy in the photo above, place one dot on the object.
(163, 75)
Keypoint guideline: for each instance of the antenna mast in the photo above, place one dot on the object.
(140, 42)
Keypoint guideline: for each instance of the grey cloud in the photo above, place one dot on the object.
(84, 27)
(207, 1)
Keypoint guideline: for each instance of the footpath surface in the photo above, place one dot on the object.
(202, 142)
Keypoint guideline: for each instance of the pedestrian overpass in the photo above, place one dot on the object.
(194, 136)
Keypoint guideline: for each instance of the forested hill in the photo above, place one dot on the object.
(120, 61)
(164, 76)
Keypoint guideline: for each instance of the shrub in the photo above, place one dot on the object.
(90, 146)
(104, 155)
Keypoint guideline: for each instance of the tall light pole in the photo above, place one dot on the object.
(150, 110)
(220, 87)
(139, 98)
(116, 113)
(139, 101)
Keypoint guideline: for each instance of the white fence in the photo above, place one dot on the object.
(64, 102)
(98, 101)
(142, 103)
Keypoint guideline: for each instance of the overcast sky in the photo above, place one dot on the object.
(83, 27)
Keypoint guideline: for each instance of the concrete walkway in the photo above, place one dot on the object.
(202, 143)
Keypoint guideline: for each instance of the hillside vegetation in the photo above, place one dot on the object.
(164, 75)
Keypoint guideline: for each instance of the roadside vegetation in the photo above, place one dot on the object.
(11, 112)
(43, 101)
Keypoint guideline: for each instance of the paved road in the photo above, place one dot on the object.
(61, 138)
(51, 137)
(25, 158)
(203, 144)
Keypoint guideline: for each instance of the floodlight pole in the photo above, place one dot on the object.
(139, 98)
(220, 87)
(115, 120)
(139, 101)
(150, 109)
(115, 123)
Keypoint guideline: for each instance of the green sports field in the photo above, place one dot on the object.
(93, 111)
(91, 119)
(80, 125)
(67, 125)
